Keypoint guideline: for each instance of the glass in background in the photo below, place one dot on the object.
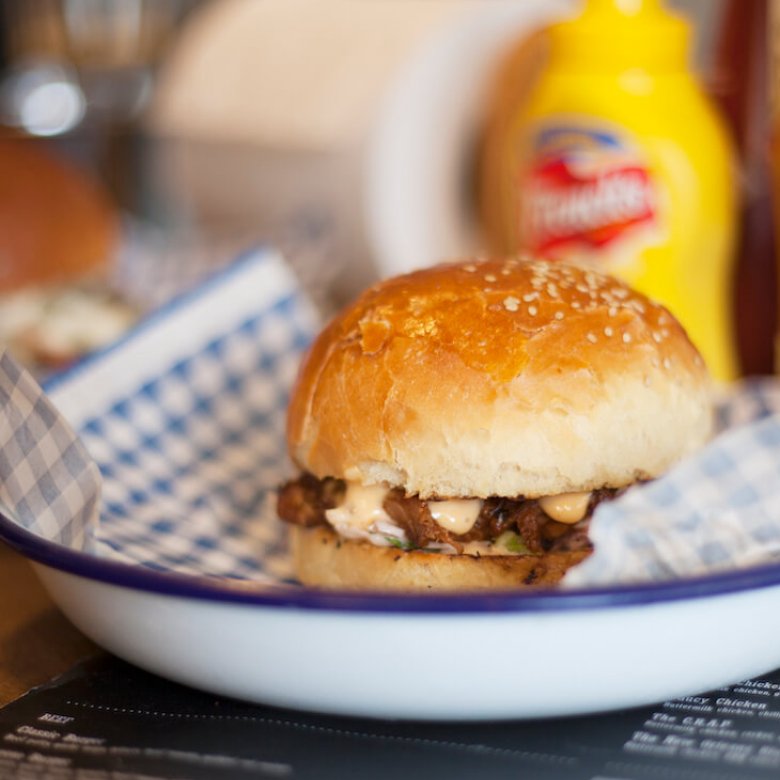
(774, 97)
(741, 83)
(80, 73)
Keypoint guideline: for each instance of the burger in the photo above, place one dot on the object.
(456, 427)
(59, 232)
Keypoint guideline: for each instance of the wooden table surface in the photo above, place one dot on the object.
(36, 641)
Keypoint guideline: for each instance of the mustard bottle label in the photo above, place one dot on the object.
(587, 194)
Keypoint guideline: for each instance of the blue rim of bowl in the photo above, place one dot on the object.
(222, 589)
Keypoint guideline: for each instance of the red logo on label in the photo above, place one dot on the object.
(591, 206)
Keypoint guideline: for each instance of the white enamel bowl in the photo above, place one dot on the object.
(455, 657)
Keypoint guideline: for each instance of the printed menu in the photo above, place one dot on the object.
(106, 719)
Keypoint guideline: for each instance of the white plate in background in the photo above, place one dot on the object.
(420, 167)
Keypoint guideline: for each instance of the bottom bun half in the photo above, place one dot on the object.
(324, 559)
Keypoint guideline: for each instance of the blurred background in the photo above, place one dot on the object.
(146, 142)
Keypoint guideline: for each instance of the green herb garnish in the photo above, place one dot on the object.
(512, 542)
(398, 543)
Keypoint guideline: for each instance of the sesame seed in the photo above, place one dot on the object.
(613, 311)
(657, 337)
(490, 278)
(667, 363)
(532, 310)
(470, 268)
(552, 290)
(592, 338)
(528, 297)
(626, 338)
(576, 305)
(558, 315)
(608, 331)
(511, 303)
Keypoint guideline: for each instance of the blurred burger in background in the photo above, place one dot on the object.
(59, 232)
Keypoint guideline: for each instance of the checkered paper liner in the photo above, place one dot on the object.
(184, 419)
(715, 511)
(49, 483)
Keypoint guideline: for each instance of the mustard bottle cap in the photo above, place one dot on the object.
(617, 34)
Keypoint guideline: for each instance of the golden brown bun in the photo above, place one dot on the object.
(323, 559)
(501, 377)
(55, 222)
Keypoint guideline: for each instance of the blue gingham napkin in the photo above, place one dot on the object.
(48, 482)
(715, 511)
(184, 418)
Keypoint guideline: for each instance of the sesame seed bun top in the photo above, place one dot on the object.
(499, 377)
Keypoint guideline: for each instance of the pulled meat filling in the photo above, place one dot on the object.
(305, 500)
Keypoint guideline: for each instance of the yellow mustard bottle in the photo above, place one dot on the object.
(617, 158)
